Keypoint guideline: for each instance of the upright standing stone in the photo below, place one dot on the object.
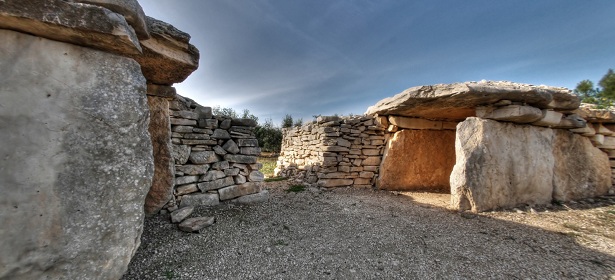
(161, 190)
(76, 160)
(501, 165)
(581, 170)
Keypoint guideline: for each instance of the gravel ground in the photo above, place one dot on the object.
(364, 234)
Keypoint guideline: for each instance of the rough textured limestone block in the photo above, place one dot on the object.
(588, 130)
(180, 153)
(76, 159)
(581, 170)
(130, 9)
(196, 224)
(239, 190)
(501, 165)
(216, 184)
(207, 199)
(600, 129)
(162, 91)
(161, 190)
(204, 157)
(457, 101)
(83, 25)
(181, 214)
(329, 183)
(260, 197)
(510, 113)
(167, 57)
(549, 118)
(414, 123)
(418, 160)
(597, 139)
(608, 143)
(572, 121)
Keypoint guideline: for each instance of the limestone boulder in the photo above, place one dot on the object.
(457, 101)
(581, 170)
(239, 190)
(161, 91)
(167, 57)
(76, 155)
(418, 160)
(500, 165)
(130, 9)
(590, 113)
(161, 190)
(84, 25)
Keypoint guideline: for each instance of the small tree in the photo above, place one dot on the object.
(247, 115)
(287, 121)
(608, 85)
(603, 96)
(225, 112)
(269, 137)
(298, 122)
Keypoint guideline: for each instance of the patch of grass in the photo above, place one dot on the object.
(611, 212)
(296, 188)
(169, 274)
(269, 164)
(276, 179)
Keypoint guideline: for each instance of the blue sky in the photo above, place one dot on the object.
(310, 57)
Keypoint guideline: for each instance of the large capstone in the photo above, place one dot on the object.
(458, 101)
(76, 160)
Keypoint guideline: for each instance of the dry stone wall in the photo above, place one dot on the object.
(333, 151)
(215, 158)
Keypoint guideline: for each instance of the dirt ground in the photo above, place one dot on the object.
(350, 233)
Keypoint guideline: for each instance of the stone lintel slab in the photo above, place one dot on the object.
(78, 24)
(457, 101)
(130, 9)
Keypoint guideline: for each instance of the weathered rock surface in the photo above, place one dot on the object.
(84, 25)
(180, 153)
(208, 199)
(260, 197)
(457, 101)
(511, 113)
(581, 170)
(239, 190)
(130, 9)
(161, 190)
(203, 157)
(181, 214)
(196, 224)
(76, 153)
(501, 165)
(167, 57)
(504, 165)
(588, 112)
(161, 91)
(418, 160)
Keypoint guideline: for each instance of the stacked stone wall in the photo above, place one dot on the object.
(215, 157)
(333, 152)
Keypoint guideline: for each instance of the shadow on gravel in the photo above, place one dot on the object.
(358, 234)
